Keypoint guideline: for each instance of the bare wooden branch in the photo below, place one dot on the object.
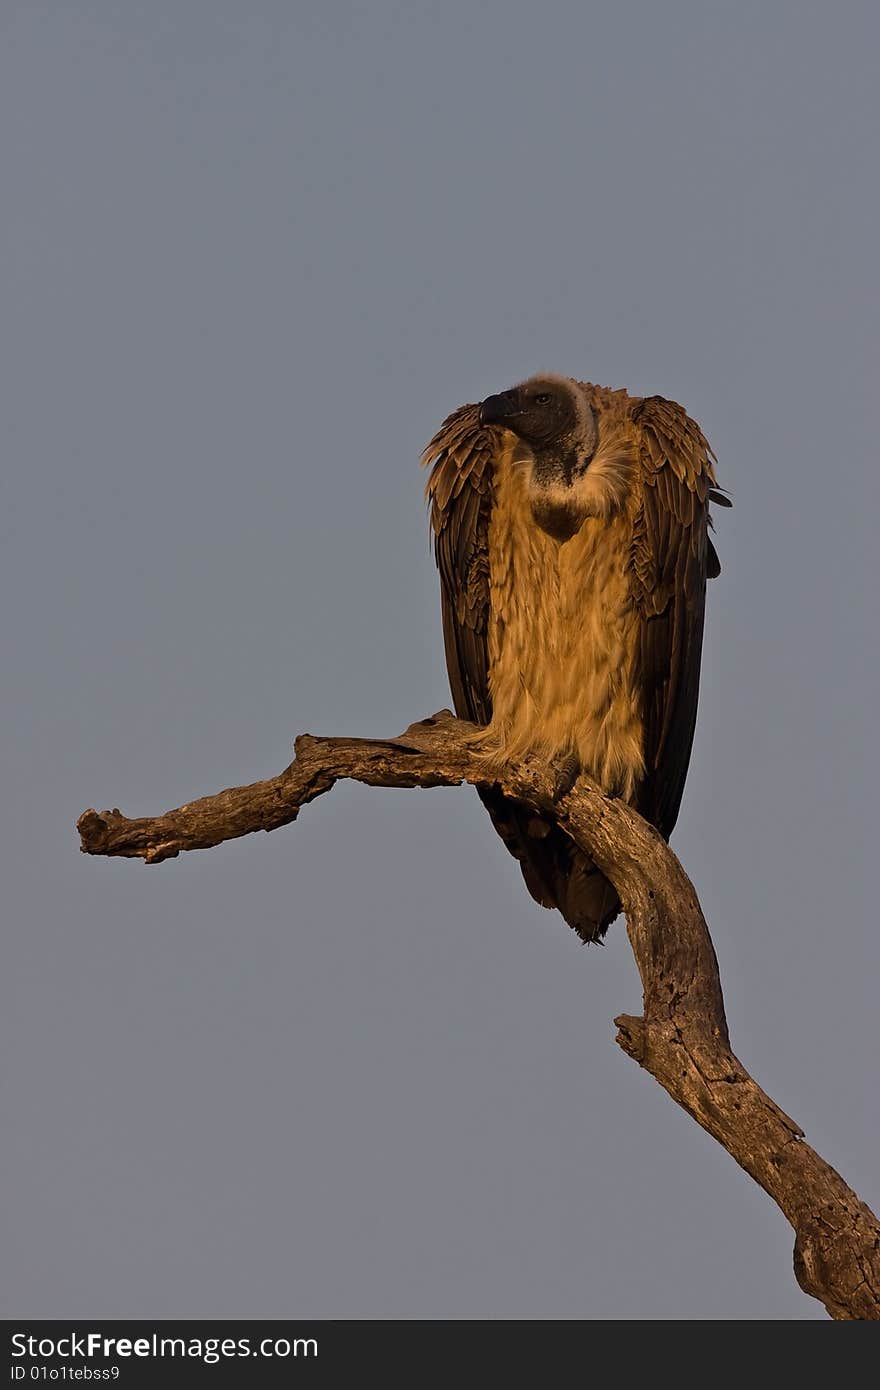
(681, 1039)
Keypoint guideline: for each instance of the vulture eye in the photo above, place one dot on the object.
(543, 398)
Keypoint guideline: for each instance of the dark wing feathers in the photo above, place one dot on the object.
(671, 558)
(460, 493)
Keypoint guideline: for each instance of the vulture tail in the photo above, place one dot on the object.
(557, 873)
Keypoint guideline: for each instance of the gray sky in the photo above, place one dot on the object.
(251, 255)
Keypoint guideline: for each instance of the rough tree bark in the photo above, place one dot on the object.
(681, 1038)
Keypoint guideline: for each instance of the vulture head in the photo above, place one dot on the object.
(557, 435)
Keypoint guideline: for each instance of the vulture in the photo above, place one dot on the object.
(571, 532)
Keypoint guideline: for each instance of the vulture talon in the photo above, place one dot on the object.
(566, 772)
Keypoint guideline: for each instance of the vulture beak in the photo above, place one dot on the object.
(498, 410)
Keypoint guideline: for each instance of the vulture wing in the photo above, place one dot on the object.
(459, 489)
(671, 558)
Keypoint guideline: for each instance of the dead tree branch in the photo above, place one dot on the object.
(681, 1038)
